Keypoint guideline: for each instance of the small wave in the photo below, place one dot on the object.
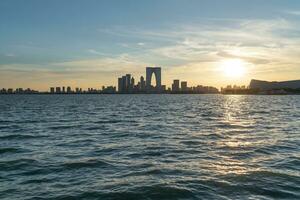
(64, 127)
(95, 128)
(15, 136)
(164, 192)
(136, 193)
(87, 164)
(191, 142)
(114, 121)
(17, 164)
(10, 150)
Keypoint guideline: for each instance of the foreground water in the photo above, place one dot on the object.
(149, 147)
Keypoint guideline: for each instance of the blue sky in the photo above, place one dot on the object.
(90, 43)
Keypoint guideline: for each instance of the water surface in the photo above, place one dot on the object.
(149, 147)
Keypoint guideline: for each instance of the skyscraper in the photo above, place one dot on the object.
(143, 84)
(52, 90)
(131, 84)
(69, 90)
(184, 86)
(57, 90)
(157, 72)
(123, 83)
(128, 79)
(120, 85)
(175, 86)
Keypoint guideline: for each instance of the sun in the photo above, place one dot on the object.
(234, 68)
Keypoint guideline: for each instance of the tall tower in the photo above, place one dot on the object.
(157, 72)
(143, 83)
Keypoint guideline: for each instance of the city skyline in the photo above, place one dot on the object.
(205, 42)
(127, 84)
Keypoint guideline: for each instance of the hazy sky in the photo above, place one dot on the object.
(89, 43)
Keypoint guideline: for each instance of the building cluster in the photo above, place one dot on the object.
(235, 89)
(182, 87)
(17, 91)
(126, 85)
(69, 90)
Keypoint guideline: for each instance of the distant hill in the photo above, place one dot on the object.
(266, 85)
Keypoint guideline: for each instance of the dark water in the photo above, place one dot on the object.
(149, 147)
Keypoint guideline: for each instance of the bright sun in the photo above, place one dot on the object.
(233, 68)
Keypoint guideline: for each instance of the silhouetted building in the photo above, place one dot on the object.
(69, 90)
(58, 90)
(175, 86)
(10, 90)
(157, 72)
(19, 90)
(120, 84)
(132, 83)
(184, 87)
(108, 90)
(266, 85)
(142, 84)
(128, 79)
(52, 90)
(3, 91)
(124, 83)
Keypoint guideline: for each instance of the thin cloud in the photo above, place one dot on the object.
(293, 12)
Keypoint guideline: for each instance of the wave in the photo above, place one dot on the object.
(114, 121)
(20, 137)
(10, 150)
(87, 164)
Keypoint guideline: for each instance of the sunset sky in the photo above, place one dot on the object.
(89, 43)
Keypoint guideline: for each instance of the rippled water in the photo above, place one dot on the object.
(149, 147)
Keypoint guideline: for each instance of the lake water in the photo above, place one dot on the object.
(149, 147)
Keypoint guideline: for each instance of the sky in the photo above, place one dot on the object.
(90, 43)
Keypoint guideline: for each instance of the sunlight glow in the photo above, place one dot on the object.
(233, 68)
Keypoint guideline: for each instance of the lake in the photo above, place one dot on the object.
(149, 147)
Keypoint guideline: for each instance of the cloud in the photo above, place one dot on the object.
(189, 50)
(122, 62)
(293, 12)
(93, 51)
(10, 55)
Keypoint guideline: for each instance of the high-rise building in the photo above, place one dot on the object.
(143, 84)
(132, 83)
(58, 90)
(128, 79)
(184, 87)
(69, 90)
(175, 86)
(10, 90)
(157, 72)
(124, 83)
(52, 90)
(120, 85)
(63, 89)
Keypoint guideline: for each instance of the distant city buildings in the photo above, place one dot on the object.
(103, 90)
(265, 87)
(127, 85)
(175, 86)
(18, 91)
(157, 73)
(238, 90)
